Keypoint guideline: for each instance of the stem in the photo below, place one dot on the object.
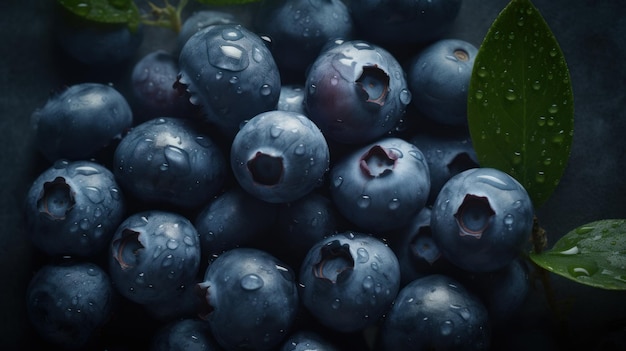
(540, 242)
(166, 17)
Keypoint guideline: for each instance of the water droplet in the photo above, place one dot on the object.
(540, 177)
(334, 80)
(167, 261)
(374, 266)
(584, 229)
(172, 244)
(338, 181)
(60, 164)
(219, 75)
(188, 240)
(86, 170)
(312, 89)
(84, 224)
(405, 96)
(364, 201)
(229, 57)
(517, 158)
(446, 328)
(251, 282)
(232, 34)
(508, 221)
(140, 278)
(361, 255)
(94, 194)
(482, 72)
(571, 251)
(276, 131)
(336, 304)
(265, 90)
(536, 85)
(479, 94)
(368, 282)
(300, 150)
(257, 55)
(541, 121)
(496, 182)
(552, 52)
(553, 109)
(394, 204)
(510, 95)
(416, 154)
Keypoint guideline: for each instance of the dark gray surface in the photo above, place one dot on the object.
(592, 35)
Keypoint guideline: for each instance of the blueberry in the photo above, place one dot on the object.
(169, 161)
(305, 340)
(185, 304)
(481, 219)
(503, 291)
(300, 28)
(291, 98)
(73, 208)
(229, 71)
(234, 218)
(97, 44)
(435, 313)
(448, 151)
(381, 185)
(200, 20)
(251, 299)
(69, 303)
(279, 156)
(153, 256)
(301, 224)
(439, 79)
(356, 92)
(417, 251)
(404, 21)
(80, 121)
(184, 335)
(152, 84)
(349, 280)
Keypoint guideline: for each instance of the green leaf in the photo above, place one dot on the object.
(226, 2)
(593, 254)
(520, 102)
(105, 11)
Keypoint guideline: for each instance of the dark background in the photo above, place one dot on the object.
(592, 35)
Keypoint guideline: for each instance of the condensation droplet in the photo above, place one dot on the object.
(266, 90)
(447, 327)
(394, 204)
(364, 201)
(338, 181)
(405, 96)
(362, 255)
(275, 131)
(172, 244)
(251, 282)
(300, 150)
(336, 304)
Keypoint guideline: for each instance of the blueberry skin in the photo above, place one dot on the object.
(356, 92)
(404, 21)
(279, 156)
(439, 79)
(97, 44)
(229, 71)
(153, 256)
(448, 151)
(80, 121)
(380, 186)
(416, 249)
(73, 208)
(169, 161)
(152, 84)
(184, 335)
(301, 224)
(291, 98)
(435, 313)
(200, 20)
(481, 219)
(251, 299)
(68, 303)
(305, 340)
(234, 218)
(349, 280)
(300, 28)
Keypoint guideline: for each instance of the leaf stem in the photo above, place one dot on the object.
(166, 17)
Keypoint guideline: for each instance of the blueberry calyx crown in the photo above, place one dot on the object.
(335, 262)
(266, 169)
(474, 216)
(375, 83)
(57, 199)
(378, 161)
(127, 248)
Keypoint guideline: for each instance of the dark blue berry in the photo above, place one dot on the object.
(349, 280)
(185, 335)
(73, 208)
(80, 121)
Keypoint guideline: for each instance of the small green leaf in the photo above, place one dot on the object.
(593, 254)
(520, 102)
(226, 2)
(104, 11)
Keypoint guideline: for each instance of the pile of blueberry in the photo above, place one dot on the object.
(299, 181)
